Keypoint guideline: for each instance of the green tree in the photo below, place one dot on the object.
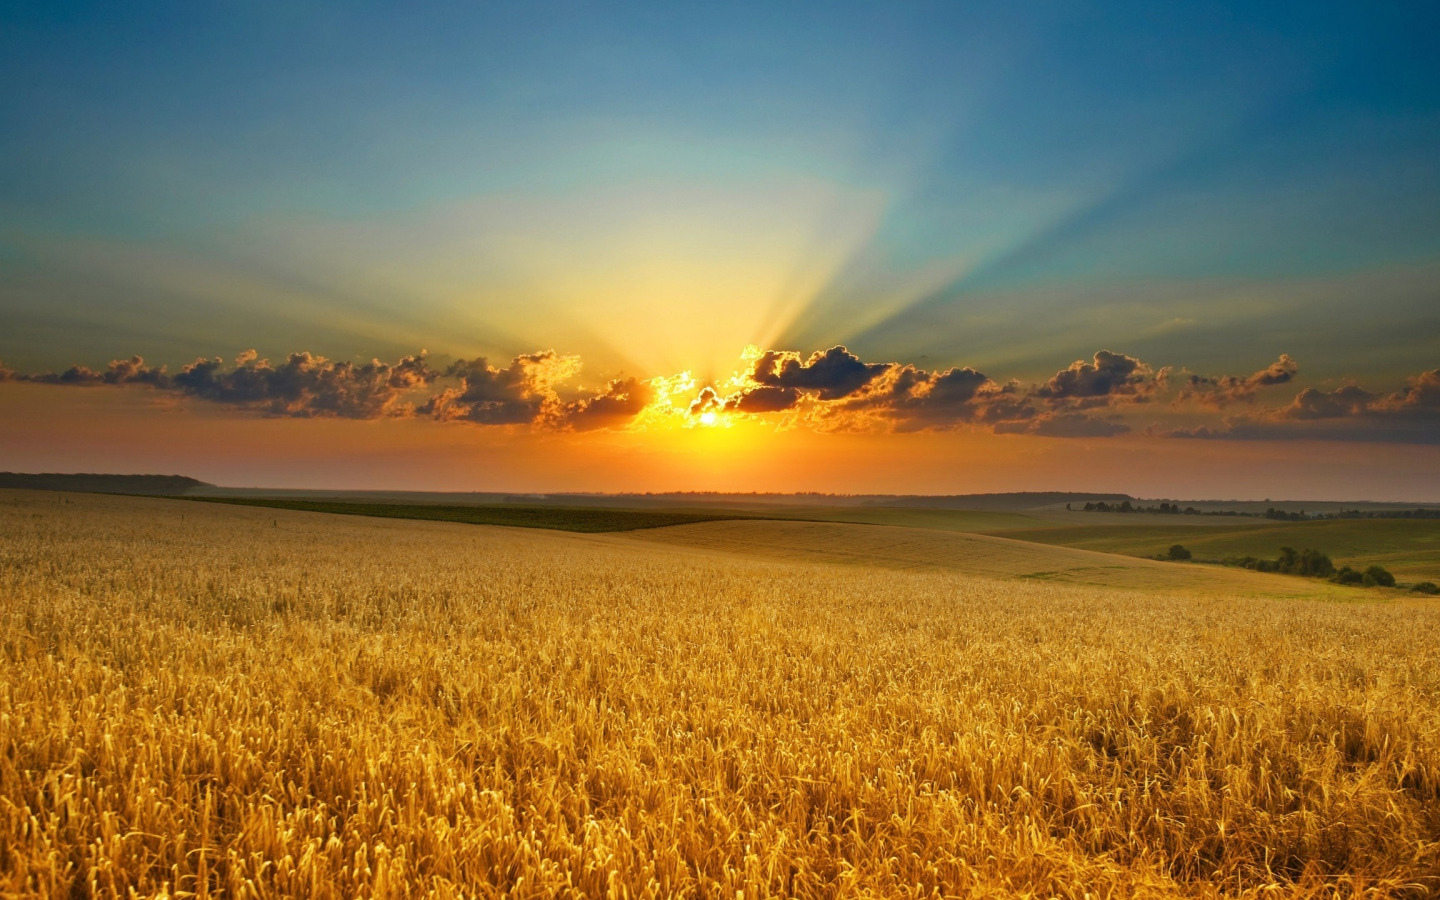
(1377, 576)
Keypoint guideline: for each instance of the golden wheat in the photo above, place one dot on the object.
(220, 701)
(935, 550)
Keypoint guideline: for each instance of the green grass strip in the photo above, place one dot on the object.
(559, 518)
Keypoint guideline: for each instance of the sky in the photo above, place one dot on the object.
(1184, 250)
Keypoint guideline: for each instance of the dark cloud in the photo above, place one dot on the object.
(1281, 371)
(1348, 413)
(1223, 390)
(307, 386)
(525, 392)
(832, 373)
(832, 389)
(520, 393)
(914, 399)
(1421, 392)
(1311, 403)
(763, 399)
(1418, 401)
(616, 404)
(1109, 375)
(837, 390)
(80, 375)
(134, 371)
(310, 386)
(708, 400)
(120, 371)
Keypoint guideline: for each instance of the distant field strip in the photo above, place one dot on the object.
(1408, 547)
(923, 549)
(559, 518)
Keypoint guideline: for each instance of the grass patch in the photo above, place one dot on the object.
(559, 518)
(1408, 547)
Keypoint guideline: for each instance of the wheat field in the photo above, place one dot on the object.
(214, 701)
(936, 550)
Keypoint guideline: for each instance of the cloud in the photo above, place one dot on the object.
(839, 391)
(120, 371)
(708, 400)
(307, 386)
(614, 405)
(527, 392)
(1223, 390)
(75, 375)
(914, 399)
(134, 371)
(836, 390)
(780, 380)
(828, 390)
(520, 393)
(832, 373)
(304, 385)
(1421, 394)
(1310, 403)
(1347, 413)
(763, 399)
(1109, 375)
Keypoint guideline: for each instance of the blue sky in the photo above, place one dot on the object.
(1080, 145)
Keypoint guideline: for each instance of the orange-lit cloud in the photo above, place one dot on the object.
(305, 385)
(519, 393)
(1104, 380)
(615, 405)
(120, 371)
(1222, 390)
(831, 390)
(1348, 413)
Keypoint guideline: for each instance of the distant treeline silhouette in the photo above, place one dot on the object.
(1174, 509)
(1164, 509)
(165, 485)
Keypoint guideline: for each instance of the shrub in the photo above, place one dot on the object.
(1312, 563)
(1377, 576)
(1426, 587)
(1178, 551)
(1316, 564)
(1347, 575)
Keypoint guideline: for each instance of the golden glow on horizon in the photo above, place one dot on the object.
(59, 430)
(640, 293)
(683, 399)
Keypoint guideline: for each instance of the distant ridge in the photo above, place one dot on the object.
(165, 485)
(1022, 500)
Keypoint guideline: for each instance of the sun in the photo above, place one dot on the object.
(709, 417)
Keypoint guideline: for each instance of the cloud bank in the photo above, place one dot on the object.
(827, 390)
(1224, 390)
(1345, 413)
